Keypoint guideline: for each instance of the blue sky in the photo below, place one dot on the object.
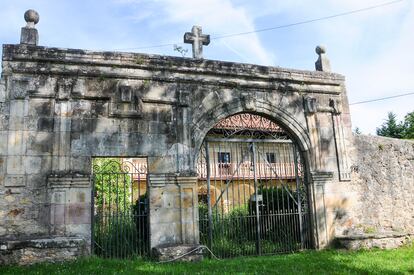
(373, 49)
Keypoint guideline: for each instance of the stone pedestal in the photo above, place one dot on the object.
(29, 36)
(173, 210)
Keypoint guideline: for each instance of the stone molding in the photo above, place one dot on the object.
(228, 72)
(159, 180)
(186, 180)
(68, 181)
(312, 106)
(321, 177)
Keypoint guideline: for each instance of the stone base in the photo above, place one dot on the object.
(167, 253)
(23, 252)
(368, 241)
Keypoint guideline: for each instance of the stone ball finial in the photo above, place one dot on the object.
(320, 49)
(31, 16)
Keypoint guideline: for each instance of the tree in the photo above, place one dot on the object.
(391, 128)
(408, 131)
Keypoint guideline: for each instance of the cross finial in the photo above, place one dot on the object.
(198, 39)
(322, 64)
(29, 34)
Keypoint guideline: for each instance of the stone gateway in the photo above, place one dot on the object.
(61, 108)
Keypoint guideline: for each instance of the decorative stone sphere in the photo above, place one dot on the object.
(31, 16)
(320, 49)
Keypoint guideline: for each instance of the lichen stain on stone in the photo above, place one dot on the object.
(25, 201)
(80, 197)
(75, 211)
(15, 212)
(9, 198)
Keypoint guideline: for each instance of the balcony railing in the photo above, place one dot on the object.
(222, 171)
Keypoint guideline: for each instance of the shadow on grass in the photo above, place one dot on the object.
(399, 261)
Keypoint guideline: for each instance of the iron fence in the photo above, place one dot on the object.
(120, 209)
(253, 196)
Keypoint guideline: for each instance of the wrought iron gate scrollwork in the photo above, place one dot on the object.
(253, 196)
(120, 208)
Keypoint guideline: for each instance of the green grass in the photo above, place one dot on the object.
(398, 261)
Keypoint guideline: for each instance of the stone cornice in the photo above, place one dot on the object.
(43, 60)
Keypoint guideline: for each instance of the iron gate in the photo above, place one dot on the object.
(252, 191)
(120, 208)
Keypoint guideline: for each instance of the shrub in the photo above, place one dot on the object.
(235, 233)
(123, 234)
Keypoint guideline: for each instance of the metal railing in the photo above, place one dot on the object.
(120, 227)
(251, 206)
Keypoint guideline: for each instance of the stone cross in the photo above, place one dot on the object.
(322, 64)
(198, 39)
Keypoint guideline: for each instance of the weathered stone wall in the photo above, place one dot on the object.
(380, 198)
(62, 107)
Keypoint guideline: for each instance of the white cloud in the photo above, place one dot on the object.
(217, 17)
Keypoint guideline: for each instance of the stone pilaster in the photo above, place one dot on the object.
(70, 206)
(61, 142)
(189, 209)
(173, 210)
(320, 224)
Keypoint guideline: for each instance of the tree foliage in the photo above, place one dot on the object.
(409, 126)
(112, 185)
(394, 129)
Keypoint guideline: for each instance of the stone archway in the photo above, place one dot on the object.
(295, 125)
(257, 189)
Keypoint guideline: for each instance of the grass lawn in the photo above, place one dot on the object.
(398, 261)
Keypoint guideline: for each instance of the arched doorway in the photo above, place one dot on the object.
(253, 196)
